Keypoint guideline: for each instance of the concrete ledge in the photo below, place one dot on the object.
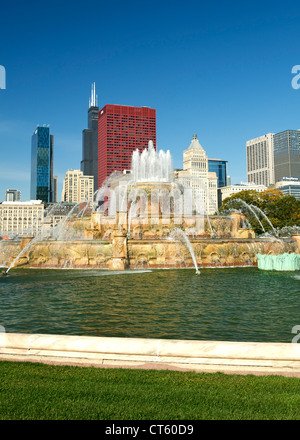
(254, 357)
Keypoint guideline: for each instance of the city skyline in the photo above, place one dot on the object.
(225, 75)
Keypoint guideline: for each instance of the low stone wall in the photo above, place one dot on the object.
(142, 253)
(266, 358)
(58, 254)
(218, 252)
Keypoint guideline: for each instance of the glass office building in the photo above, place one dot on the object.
(41, 187)
(287, 154)
(219, 167)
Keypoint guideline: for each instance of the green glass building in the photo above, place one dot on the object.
(41, 187)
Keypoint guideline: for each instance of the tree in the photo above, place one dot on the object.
(281, 210)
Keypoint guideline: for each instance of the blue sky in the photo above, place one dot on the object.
(219, 69)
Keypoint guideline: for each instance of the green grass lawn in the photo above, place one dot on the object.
(36, 391)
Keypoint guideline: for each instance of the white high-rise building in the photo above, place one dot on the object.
(77, 187)
(196, 175)
(260, 160)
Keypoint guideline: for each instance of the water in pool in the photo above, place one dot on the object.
(242, 304)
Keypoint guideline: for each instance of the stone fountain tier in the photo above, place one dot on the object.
(153, 209)
(195, 226)
(121, 252)
(109, 242)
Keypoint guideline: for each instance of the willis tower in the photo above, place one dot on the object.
(89, 163)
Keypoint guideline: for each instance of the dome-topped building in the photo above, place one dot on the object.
(195, 144)
(196, 175)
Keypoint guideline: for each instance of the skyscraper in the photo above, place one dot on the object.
(273, 156)
(287, 154)
(89, 163)
(41, 187)
(260, 160)
(121, 130)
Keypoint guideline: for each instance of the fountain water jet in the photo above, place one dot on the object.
(250, 209)
(59, 228)
(265, 216)
(130, 215)
(180, 234)
(150, 166)
(36, 238)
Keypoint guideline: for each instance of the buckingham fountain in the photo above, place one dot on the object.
(130, 312)
(148, 219)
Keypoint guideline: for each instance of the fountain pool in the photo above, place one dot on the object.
(233, 304)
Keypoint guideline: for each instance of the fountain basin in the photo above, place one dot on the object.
(142, 253)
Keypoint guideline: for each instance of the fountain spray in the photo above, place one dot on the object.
(180, 234)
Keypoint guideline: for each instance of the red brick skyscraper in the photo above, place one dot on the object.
(121, 130)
